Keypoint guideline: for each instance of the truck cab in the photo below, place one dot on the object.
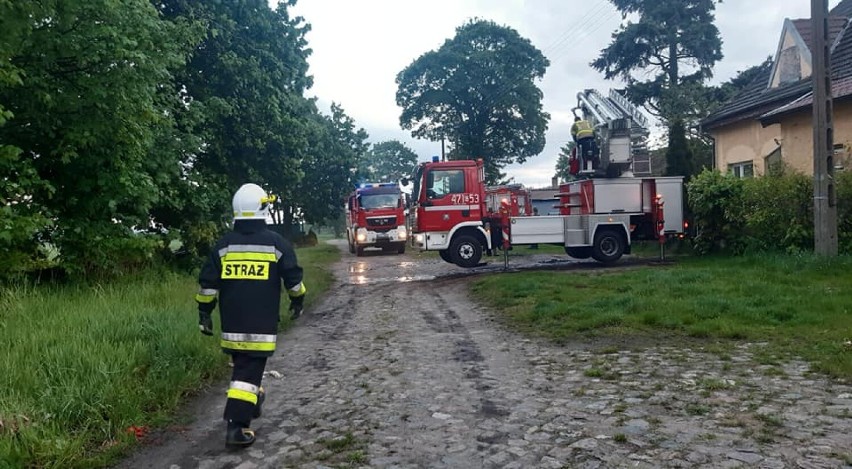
(375, 218)
(448, 210)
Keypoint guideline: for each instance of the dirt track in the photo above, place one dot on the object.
(410, 373)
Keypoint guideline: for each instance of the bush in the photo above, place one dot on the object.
(844, 211)
(715, 201)
(778, 212)
(770, 213)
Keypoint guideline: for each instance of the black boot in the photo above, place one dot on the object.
(261, 396)
(238, 436)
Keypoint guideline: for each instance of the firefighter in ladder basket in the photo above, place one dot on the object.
(243, 275)
(584, 136)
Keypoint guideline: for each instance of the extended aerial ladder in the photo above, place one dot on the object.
(622, 132)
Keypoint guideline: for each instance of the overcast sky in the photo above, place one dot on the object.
(360, 46)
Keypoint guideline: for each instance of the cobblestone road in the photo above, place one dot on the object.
(409, 373)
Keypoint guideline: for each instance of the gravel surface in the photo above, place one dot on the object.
(398, 368)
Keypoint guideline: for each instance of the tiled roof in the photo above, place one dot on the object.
(805, 29)
(756, 99)
(844, 8)
(841, 55)
(840, 89)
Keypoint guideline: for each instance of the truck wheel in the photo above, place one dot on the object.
(608, 246)
(401, 249)
(359, 251)
(445, 255)
(466, 251)
(579, 252)
(351, 244)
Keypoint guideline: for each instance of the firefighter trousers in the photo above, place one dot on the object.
(587, 153)
(244, 387)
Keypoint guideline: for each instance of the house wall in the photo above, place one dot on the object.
(745, 141)
(797, 133)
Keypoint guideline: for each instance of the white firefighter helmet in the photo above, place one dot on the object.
(251, 203)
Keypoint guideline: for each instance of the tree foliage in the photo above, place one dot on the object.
(562, 162)
(389, 161)
(124, 124)
(675, 43)
(478, 92)
(331, 170)
(244, 87)
(86, 113)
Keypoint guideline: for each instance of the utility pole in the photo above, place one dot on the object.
(825, 208)
(443, 156)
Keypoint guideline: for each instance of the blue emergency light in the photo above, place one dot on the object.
(435, 159)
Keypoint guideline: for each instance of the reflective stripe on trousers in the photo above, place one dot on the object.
(243, 391)
(248, 342)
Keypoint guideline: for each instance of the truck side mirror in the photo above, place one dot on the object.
(404, 182)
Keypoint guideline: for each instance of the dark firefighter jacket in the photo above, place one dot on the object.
(245, 270)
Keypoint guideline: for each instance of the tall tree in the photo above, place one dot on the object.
(675, 43)
(85, 113)
(332, 168)
(244, 93)
(389, 161)
(478, 92)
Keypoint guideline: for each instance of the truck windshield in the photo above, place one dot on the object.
(371, 201)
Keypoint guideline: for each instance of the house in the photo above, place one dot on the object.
(770, 121)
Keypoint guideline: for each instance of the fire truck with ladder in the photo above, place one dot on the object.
(375, 217)
(450, 210)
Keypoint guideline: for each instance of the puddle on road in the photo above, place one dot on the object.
(359, 273)
(363, 280)
(358, 268)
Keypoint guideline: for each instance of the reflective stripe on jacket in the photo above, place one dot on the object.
(582, 129)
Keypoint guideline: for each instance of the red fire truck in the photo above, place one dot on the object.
(375, 218)
(598, 218)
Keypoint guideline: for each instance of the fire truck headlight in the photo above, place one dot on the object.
(418, 238)
(361, 237)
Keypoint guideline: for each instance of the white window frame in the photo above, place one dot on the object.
(743, 169)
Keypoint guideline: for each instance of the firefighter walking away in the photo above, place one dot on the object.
(243, 275)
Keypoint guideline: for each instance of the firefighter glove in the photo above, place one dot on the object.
(297, 304)
(205, 323)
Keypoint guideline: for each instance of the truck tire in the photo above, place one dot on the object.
(359, 251)
(609, 245)
(445, 255)
(351, 244)
(579, 252)
(466, 251)
(401, 249)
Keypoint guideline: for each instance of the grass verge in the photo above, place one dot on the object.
(83, 365)
(800, 305)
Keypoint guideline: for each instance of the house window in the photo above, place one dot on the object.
(773, 163)
(742, 170)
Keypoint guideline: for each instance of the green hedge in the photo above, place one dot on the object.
(770, 213)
